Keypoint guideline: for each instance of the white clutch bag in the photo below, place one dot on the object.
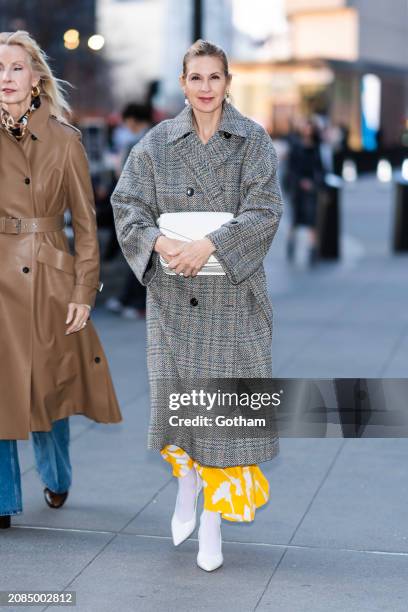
(193, 226)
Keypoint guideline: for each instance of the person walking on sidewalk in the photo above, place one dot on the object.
(208, 158)
(305, 178)
(52, 363)
(131, 304)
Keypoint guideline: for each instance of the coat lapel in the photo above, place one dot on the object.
(203, 160)
(193, 154)
(37, 122)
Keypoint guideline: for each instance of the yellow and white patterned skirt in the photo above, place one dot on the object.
(235, 492)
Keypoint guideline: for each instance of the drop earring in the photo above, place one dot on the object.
(35, 91)
(186, 101)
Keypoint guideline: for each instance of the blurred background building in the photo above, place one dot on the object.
(64, 30)
(133, 31)
(146, 41)
(346, 60)
(216, 24)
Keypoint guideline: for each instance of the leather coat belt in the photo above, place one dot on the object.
(12, 225)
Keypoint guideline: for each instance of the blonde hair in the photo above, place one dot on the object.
(203, 48)
(51, 87)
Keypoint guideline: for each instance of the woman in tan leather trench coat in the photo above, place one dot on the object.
(52, 363)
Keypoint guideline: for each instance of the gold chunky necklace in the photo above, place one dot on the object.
(18, 128)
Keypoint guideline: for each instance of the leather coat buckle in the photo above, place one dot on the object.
(17, 226)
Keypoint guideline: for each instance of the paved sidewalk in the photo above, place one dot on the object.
(334, 534)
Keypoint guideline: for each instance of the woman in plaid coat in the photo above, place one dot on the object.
(208, 158)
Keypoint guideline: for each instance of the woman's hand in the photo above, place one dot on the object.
(192, 257)
(168, 247)
(78, 314)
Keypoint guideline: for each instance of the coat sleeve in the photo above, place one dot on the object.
(78, 188)
(134, 209)
(242, 243)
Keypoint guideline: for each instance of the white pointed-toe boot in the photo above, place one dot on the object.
(209, 556)
(181, 530)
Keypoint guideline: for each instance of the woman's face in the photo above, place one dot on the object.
(16, 75)
(205, 83)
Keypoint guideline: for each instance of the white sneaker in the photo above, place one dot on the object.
(209, 561)
(182, 530)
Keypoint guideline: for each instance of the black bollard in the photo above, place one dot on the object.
(400, 237)
(328, 218)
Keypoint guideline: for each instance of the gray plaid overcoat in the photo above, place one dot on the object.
(204, 327)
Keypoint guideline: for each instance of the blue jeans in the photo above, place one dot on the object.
(51, 451)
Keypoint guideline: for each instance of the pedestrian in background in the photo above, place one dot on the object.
(131, 304)
(52, 363)
(208, 158)
(305, 176)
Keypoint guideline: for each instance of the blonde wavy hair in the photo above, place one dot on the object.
(51, 87)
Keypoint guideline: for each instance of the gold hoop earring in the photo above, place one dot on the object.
(35, 91)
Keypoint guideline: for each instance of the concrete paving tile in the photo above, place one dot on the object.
(42, 559)
(337, 354)
(337, 581)
(397, 366)
(150, 574)
(363, 501)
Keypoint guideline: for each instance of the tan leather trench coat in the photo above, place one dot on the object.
(44, 374)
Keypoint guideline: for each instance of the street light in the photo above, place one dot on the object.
(384, 171)
(96, 42)
(349, 171)
(71, 39)
(404, 170)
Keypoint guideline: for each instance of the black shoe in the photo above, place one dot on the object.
(5, 522)
(54, 500)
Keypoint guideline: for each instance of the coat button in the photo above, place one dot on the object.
(194, 301)
(227, 135)
(97, 359)
(34, 137)
(26, 270)
(27, 181)
(190, 191)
